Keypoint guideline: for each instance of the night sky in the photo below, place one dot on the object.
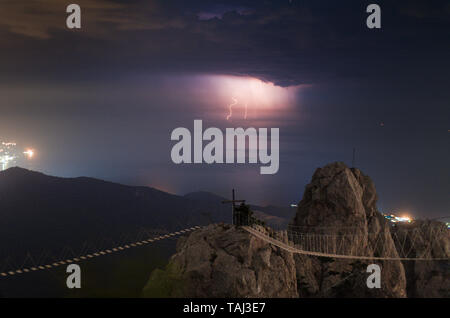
(102, 101)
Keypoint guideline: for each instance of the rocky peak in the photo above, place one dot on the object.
(337, 197)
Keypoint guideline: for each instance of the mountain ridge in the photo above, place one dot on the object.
(39, 210)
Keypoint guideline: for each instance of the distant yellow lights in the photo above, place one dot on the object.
(29, 153)
(9, 144)
(7, 154)
(10, 156)
(404, 219)
(397, 219)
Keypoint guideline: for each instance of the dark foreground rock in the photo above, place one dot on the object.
(225, 261)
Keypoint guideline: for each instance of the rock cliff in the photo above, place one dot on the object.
(225, 261)
(341, 201)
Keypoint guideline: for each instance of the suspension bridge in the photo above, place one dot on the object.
(402, 244)
(408, 246)
(405, 247)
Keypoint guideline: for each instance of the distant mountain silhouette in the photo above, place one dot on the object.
(274, 215)
(205, 196)
(38, 211)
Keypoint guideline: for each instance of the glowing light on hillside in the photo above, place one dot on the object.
(29, 153)
(395, 219)
(404, 219)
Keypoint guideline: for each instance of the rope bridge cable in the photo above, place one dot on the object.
(441, 217)
(317, 242)
(89, 256)
(322, 245)
(10, 259)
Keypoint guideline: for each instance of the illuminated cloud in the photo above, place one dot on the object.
(247, 97)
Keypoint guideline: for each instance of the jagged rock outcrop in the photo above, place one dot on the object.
(225, 261)
(342, 201)
(430, 239)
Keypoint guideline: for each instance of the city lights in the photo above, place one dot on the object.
(9, 155)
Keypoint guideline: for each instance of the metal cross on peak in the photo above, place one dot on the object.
(233, 201)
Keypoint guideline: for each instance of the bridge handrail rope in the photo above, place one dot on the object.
(95, 254)
(258, 232)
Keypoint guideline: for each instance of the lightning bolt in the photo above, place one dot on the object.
(246, 107)
(230, 108)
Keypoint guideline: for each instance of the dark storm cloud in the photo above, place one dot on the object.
(285, 42)
(42, 18)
